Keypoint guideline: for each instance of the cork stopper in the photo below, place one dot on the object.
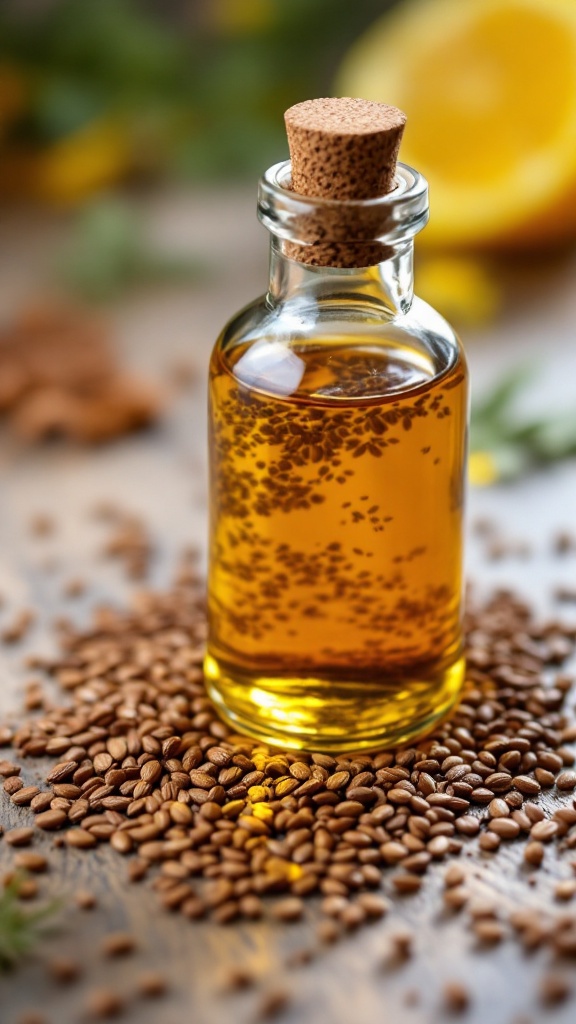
(343, 149)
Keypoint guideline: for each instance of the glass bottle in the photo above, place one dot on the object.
(338, 413)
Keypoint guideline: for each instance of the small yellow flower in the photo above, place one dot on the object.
(482, 469)
(283, 869)
(263, 812)
(239, 17)
(91, 158)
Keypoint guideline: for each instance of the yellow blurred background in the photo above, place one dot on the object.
(107, 106)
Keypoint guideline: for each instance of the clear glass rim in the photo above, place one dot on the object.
(305, 220)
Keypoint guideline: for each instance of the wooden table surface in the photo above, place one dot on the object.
(161, 476)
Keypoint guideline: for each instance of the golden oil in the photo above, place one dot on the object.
(336, 524)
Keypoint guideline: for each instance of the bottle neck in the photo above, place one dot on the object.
(386, 289)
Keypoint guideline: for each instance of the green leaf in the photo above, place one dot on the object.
(20, 929)
(498, 403)
(519, 445)
(108, 253)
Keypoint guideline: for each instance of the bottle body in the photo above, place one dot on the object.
(338, 410)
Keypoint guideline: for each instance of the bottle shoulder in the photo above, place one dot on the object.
(297, 325)
(338, 352)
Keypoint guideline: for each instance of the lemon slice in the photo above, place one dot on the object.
(489, 88)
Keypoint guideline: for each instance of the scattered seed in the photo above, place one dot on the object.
(30, 861)
(19, 836)
(456, 997)
(27, 889)
(553, 989)
(405, 883)
(534, 853)
(489, 842)
(51, 820)
(64, 970)
(289, 909)
(544, 830)
(118, 944)
(238, 978)
(566, 780)
(272, 1004)
(104, 1004)
(488, 931)
(85, 900)
(152, 985)
(565, 889)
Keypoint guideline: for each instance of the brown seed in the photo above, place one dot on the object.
(544, 830)
(238, 979)
(64, 969)
(352, 915)
(251, 906)
(489, 842)
(545, 778)
(85, 900)
(24, 796)
(498, 808)
(500, 782)
(272, 1004)
(526, 785)
(566, 780)
(438, 846)
(12, 785)
(405, 883)
(51, 820)
(456, 897)
(289, 909)
(506, 828)
(456, 997)
(19, 836)
(374, 906)
(118, 944)
(79, 838)
(534, 853)
(553, 989)
(104, 1004)
(102, 762)
(121, 842)
(393, 852)
(564, 941)
(152, 985)
(402, 942)
(8, 769)
(565, 889)
(454, 875)
(30, 861)
(467, 825)
(27, 889)
(488, 931)
(328, 931)
(61, 771)
(40, 802)
(226, 912)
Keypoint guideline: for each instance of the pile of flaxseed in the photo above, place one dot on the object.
(220, 823)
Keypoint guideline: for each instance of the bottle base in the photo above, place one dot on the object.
(333, 715)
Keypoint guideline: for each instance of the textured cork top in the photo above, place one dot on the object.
(343, 148)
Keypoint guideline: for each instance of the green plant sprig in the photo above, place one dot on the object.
(518, 445)
(20, 929)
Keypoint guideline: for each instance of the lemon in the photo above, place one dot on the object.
(489, 88)
(460, 286)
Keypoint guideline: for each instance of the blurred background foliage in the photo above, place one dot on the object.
(93, 93)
